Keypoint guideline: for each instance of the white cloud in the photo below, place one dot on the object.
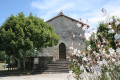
(47, 9)
(85, 9)
(65, 7)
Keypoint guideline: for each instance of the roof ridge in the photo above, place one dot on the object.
(61, 14)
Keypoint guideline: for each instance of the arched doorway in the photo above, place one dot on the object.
(62, 51)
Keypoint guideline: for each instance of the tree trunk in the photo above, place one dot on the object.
(9, 62)
(5, 62)
(14, 62)
(24, 55)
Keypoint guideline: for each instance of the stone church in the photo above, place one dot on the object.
(64, 26)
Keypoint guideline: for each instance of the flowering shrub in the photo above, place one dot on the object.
(102, 63)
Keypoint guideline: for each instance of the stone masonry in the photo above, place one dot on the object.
(64, 26)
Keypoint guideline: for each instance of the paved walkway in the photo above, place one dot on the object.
(57, 76)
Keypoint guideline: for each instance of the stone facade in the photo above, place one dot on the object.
(64, 26)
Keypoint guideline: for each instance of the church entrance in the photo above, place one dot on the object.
(62, 51)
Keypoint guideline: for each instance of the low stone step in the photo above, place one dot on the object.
(57, 70)
(54, 72)
(60, 63)
(57, 66)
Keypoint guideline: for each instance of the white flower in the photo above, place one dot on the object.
(94, 52)
(75, 51)
(89, 47)
(100, 50)
(102, 46)
(84, 28)
(70, 72)
(111, 68)
(104, 62)
(80, 35)
(83, 54)
(96, 37)
(109, 26)
(113, 59)
(112, 51)
(97, 68)
(117, 63)
(99, 73)
(79, 51)
(78, 55)
(117, 23)
(111, 31)
(100, 63)
(97, 54)
(84, 59)
(79, 25)
(118, 44)
(73, 35)
(111, 20)
(71, 48)
(74, 60)
(117, 36)
(107, 56)
(104, 41)
(82, 67)
(118, 50)
(103, 51)
(98, 33)
(98, 46)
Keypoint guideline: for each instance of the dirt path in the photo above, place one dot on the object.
(60, 76)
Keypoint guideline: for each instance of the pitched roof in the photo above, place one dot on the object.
(61, 14)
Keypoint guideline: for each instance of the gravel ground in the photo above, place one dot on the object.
(57, 76)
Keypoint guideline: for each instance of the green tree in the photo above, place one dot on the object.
(103, 30)
(26, 33)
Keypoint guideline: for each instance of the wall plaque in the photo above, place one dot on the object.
(36, 61)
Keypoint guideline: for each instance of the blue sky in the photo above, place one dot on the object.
(46, 9)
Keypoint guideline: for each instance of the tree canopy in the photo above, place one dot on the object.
(20, 32)
(26, 33)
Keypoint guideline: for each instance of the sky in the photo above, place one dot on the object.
(46, 9)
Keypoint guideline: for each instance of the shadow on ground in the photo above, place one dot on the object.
(6, 73)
